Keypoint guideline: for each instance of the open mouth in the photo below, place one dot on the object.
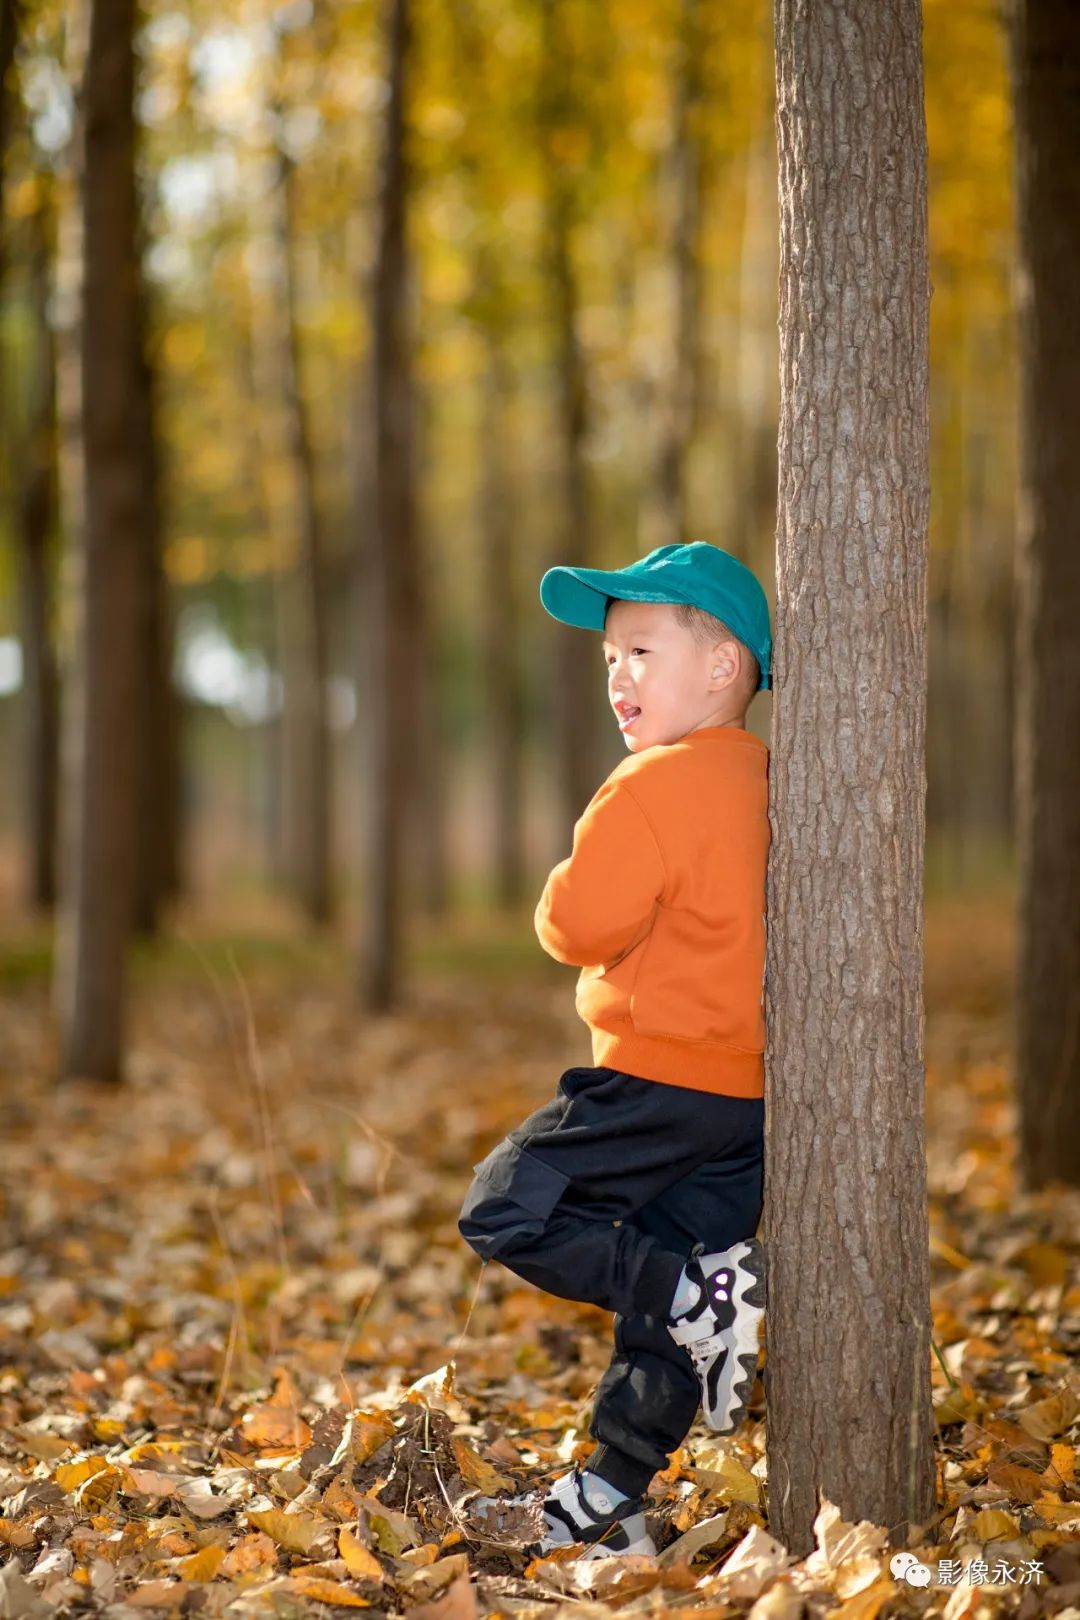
(627, 715)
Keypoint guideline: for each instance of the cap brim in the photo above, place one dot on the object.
(579, 596)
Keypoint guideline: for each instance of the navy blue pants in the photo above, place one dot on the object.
(599, 1196)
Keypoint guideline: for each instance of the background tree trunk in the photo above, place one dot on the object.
(37, 521)
(577, 655)
(95, 913)
(430, 803)
(388, 575)
(157, 832)
(1046, 73)
(666, 524)
(503, 682)
(35, 482)
(848, 1321)
(500, 607)
(305, 603)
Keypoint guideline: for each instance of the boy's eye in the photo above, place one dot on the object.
(633, 650)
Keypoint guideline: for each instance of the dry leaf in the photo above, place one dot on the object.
(436, 1390)
(252, 1552)
(200, 1501)
(1062, 1464)
(295, 1532)
(358, 1559)
(457, 1603)
(18, 1600)
(339, 1500)
(1023, 1484)
(710, 1532)
(201, 1566)
(1045, 1263)
(158, 1595)
(428, 1582)
(782, 1602)
(277, 1422)
(757, 1560)
(989, 1525)
(867, 1604)
(364, 1434)
(477, 1471)
(332, 1592)
(147, 1482)
(1046, 1419)
(957, 1405)
(46, 1447)
(730, 1478)
(14, 1534)
(393, 1531)
(69, 1476)
(848, 1556)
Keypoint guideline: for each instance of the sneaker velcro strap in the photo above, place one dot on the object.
(686, 1332)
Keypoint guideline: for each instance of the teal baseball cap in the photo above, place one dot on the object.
(697, 573)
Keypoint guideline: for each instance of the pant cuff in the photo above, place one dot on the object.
(625, 1473)
(658, 1280)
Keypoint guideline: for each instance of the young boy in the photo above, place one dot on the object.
(638, 1187)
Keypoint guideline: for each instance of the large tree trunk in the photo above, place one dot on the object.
(387, 571)
(309, 764)
(577, 652)
(848, 1320)
(1046, 71)
(97, 876)
(37, 519)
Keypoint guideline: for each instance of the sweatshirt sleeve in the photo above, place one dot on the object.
(599, 902)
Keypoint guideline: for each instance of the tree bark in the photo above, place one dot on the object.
(305, 604)
(678, 408)
(37, 521)
(97, 880)
(387, 571)
(1046, 79)
(158, 821)
(848, 1320)
(501, 607)
(502, 628)
(35, 481)
(429, 802)
(576, 651)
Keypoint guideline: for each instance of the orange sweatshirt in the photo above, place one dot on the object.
(661, 903)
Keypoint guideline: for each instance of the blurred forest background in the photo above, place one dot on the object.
(589, 275)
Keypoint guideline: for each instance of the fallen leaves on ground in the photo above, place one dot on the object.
(250, 1369)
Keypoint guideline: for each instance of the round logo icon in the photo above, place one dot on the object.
(906, 1567)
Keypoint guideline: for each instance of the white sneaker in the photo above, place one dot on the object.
(720, 1329)
(606, 1527)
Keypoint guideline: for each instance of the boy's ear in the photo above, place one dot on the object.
(718, 669)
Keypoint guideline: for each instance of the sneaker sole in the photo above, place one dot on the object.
(734, 1374)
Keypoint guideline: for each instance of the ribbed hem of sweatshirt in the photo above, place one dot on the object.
(695, 1064)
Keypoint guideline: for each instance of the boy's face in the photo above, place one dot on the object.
(655, 665)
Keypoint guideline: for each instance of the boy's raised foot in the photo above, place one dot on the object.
(720, 1328)
(606, 1527)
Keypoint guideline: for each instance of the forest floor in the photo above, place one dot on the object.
(249, 1368)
